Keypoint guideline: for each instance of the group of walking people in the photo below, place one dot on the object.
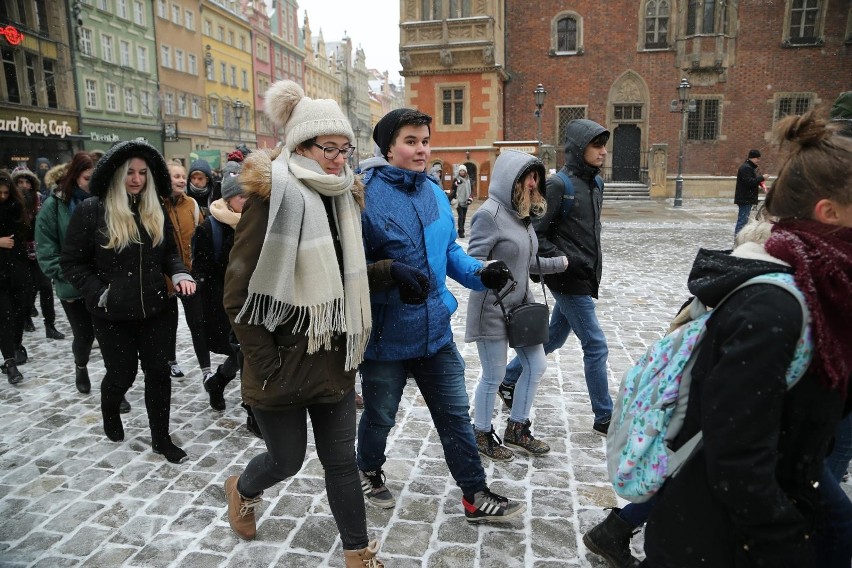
(318, 273)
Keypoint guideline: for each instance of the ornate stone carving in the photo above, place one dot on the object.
(446, 58)
(488, 54)
(628, 91)
(404, 59)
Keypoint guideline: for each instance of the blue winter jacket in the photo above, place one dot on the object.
(408, 218)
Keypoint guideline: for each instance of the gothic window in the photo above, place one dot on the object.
(628, 112)
(805, 22)
(430, 9)
(566, 34)
(703, 124)
(566, 114)
(657, 24)
(459, 8)
(701, 16)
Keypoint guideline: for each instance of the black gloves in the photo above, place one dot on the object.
(495, 275)
(413, 284)
(580, 270)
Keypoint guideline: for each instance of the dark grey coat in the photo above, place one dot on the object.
(498, 233)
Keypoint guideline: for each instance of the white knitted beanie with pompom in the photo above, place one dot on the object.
(303, 118)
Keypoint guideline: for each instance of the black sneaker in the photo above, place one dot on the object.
(175, 370)
(488, 507)
(373, 486)
(506, 393)
(601, 427)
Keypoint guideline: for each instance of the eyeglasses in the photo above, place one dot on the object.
(331, 153)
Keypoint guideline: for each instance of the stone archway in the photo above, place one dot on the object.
(627, 116)
(473, 176)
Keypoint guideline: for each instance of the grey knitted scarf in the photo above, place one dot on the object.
(297, 274)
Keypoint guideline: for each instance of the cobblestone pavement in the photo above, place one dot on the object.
(69, 497)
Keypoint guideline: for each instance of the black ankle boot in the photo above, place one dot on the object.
(21, 356)
(166, 448)
(51, 332)
(215, 387)
(611, 539)
(29, 325)
(82, 381)
(111, 398)
(12, 372)
(124, 406)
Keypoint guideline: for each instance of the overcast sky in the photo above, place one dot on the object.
(373, 25)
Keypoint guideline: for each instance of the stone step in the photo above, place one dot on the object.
(626, 190)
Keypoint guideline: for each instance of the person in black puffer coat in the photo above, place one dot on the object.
(118, 246)
(15, 280)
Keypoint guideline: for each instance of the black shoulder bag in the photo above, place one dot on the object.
(526, 324)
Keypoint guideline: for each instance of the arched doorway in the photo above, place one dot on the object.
(473, 177)
(626, 150)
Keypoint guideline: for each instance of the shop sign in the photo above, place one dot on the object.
(13, 36)
(45, 128)
(108, 138)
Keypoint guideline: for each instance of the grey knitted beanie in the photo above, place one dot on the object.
(303, 118)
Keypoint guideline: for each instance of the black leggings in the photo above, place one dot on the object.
(285, 433)
(14, 309)
(193, 312)
(81, 328)
(41, 284)
(462, 211)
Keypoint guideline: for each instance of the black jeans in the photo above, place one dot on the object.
(14, 309)
(41, 284)
(286, 435)
(82, 330)
(194, 314)
(462, 211)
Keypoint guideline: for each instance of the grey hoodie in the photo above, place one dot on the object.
(498, 233)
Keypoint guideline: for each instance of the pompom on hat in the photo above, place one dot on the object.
(301, 117)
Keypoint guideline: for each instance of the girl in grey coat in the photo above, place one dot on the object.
(501, 230)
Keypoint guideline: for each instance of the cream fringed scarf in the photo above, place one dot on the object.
(219, 209)
(297, 274)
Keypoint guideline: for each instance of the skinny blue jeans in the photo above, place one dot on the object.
(440, 378)
(742, 217)
(577, 313)
(492, 355)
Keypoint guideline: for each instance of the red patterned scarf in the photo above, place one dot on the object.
(822, 257)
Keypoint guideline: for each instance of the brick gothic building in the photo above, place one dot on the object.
(620, 62)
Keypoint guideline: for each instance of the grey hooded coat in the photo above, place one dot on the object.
(498, 233)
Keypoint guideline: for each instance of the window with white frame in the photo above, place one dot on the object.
(214, 112)
(792, 103)
(142, 58)
(566, 34)
(169, 104)
(245, 80)
(182, 107)
(145, 103)
(704, 123)
(124, 52)
(196, 107)
(233, 75)
(106, 48)
(176, 12)
(209, 68)
(111, 98)
(86, 47)
(91, 88)
(206, 27)
(162, 8)
(103, 5)
(805, 22)
(566, 114)
(220, 33)
(657, 13)
(166, 56)
(452, 106)
(192, 64)
(121, 9)
(179, 60)
(243, 43)
(129, 100)
(138, 13)
(189, 20)
(224, 68)
(230, 37)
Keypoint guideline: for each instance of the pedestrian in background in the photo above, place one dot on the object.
(747, 189)
(501, 229)
(118, 246)
(185, 215)
(297, 294)
(14, 277)
(211, 249)
(461, 187)
(408, 221)
(575, 234)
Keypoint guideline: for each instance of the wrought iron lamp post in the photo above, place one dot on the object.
(682, 105)
(539, 94)
(239, 106)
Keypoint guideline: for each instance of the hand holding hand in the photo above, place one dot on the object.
(413, 284)
(495, 274)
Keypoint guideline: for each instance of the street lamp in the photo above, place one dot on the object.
(539, 94)
(238, 114)
(682, 105)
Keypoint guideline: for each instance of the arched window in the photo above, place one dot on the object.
(656, 24)
(566, 34)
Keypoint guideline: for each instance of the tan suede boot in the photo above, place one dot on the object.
(364, 558)
(241, 510)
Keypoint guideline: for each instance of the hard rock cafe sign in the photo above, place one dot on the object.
(25, 125)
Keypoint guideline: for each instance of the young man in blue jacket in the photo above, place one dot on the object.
(408, 220)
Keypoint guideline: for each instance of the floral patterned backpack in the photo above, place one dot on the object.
(652, 400)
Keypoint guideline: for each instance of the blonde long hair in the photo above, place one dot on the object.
(527, 204)
(120, 222)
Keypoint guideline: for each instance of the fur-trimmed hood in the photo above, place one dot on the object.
(256, 176)
(120, 153)
(53, 175)
(18, 173)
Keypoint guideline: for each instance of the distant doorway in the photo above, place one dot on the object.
(471, 175)
(626, 154)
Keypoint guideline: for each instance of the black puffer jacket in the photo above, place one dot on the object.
(14, 271)
(134, 276)
(208, 270)
(578, 235)
(748, 183)
(749, 497)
